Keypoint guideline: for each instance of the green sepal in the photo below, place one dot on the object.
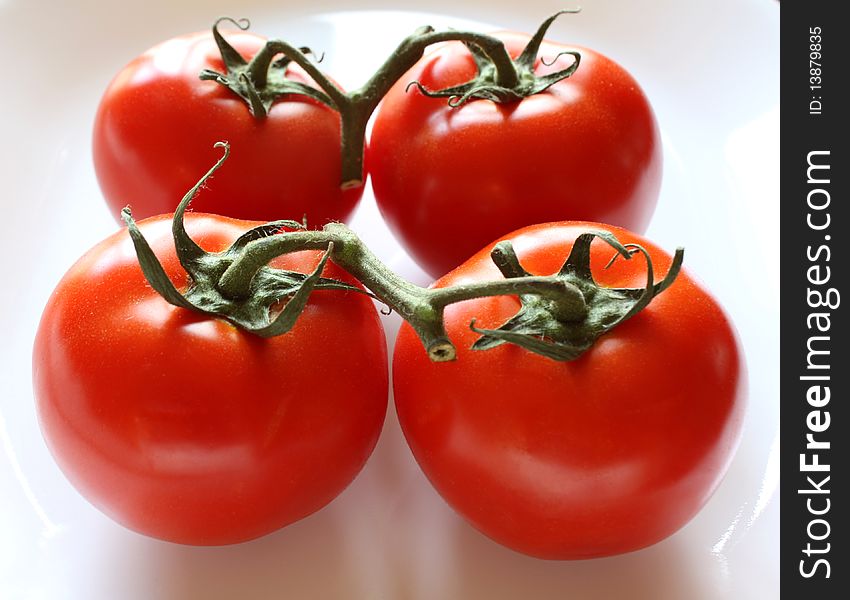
(260, 82)
(485, 86)
(270, 288)
(539, 326)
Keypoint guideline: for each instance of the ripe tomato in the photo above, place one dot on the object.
(183, 427)
(450, 180)
(605, 454)
(157, 123)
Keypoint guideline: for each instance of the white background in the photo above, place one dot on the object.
(711, 71)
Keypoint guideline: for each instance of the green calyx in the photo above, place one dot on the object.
(262, 81)
(544, 327)
(503, 82)
(268, 288)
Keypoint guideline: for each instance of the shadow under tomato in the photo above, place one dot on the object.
(434, 553)
(670, 570)
(390, 535)
(338, 552)
(334, 553)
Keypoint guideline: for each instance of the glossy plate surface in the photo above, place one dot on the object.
(712, 73)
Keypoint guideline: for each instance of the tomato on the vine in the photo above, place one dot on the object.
(450, 180)
(183, 427)
(157, 122)
(607, 453)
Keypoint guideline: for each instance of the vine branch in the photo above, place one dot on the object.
(560, 315)
(499, 78)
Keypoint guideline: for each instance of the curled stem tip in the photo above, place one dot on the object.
(241, 23)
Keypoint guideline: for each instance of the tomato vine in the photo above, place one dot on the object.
(500, 78)
(561, 315)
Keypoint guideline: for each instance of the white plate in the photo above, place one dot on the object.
(712, 73)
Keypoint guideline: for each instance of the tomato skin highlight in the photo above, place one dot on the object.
(182, 427)
(450, 180)
(157, 122)
(606, 454)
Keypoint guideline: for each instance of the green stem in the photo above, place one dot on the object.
(356, 107)
(559, 316)
(502, 79)
(354, 118)
(259, 67)
(411, 49)
(421, 307)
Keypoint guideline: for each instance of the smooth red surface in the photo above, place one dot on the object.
(157, 123)
(605, 454)
(448, 181)
(184, 428)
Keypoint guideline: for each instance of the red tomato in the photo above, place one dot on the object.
(157, 123)
(183, 427)
(605, 454)
(450, 180)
